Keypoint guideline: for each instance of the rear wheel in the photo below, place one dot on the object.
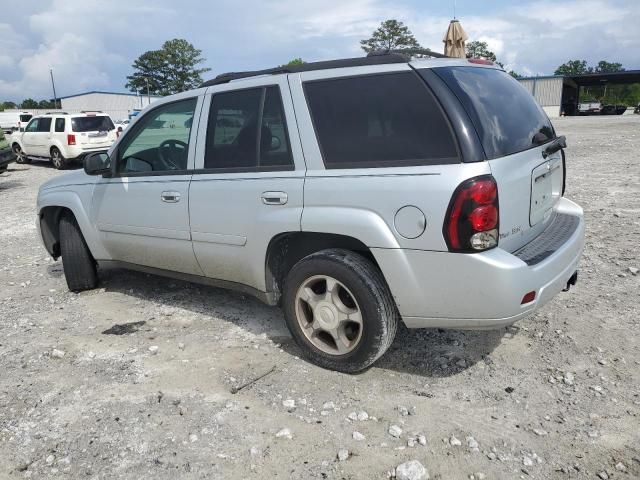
(339, 310)
(77, 261)
(20, 156)
(57, 159)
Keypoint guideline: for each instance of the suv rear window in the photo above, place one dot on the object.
(92, 124)
(383, 120)
(505, 115)
(25, 118)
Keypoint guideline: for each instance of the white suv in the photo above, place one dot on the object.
(62, 137)
(354, 193)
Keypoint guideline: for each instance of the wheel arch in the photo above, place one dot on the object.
(287, 248)
(51, 207)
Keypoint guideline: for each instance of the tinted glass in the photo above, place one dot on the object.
(159, 141)
(232, 134)
(100, 123)
(505, 115)
(25, 118)
(44, 125)
(274, 140)
(59, 125)
(379, 121)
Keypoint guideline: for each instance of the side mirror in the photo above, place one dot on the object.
(97, 163)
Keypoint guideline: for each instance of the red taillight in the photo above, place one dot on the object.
(481, 61)
(71, 139)
(473, 216)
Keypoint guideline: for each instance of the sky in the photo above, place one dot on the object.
(90, 44)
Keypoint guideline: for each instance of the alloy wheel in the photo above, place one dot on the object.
(328, 315)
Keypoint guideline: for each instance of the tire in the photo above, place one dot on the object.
(369, 294)
(57, 160)
(20, 157)
(77, 261)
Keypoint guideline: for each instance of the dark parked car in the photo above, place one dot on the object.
(6, 154)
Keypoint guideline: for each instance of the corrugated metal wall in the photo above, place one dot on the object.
(116, 105)
(547, 91)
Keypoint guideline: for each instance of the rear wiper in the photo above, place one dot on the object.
(558, 144)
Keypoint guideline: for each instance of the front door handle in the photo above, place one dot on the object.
(170, 197)
(274, 198)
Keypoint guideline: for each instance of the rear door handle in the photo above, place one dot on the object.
(274, 198)
(170, 197)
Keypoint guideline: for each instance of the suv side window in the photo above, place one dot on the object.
(160, 140)
(59, 125)
(44, 125)
(383, 120)
(234, 141)
(33, 125)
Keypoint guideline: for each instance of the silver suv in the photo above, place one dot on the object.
(353, 193)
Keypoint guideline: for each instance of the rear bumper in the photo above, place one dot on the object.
(478, 291)
(78, 153)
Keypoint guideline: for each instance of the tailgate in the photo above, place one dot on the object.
(529, 186)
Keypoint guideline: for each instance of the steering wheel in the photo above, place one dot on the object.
(169, 149)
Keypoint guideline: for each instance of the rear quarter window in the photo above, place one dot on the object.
(505, 115)
(383, 120)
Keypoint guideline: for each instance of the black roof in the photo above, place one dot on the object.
(373, 58)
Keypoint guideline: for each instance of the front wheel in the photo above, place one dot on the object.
(77, 262)
(57, 159)
(339, 310)
(20, 156)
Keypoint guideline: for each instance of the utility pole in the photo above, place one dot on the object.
(148, 97)
(55, 98)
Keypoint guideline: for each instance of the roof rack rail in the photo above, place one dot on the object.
(56, 113)
(408, 52)
(91, 111)
(379, 57)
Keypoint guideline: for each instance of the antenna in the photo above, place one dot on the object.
(454, 9)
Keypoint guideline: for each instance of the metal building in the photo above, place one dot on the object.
(560, 94)
(117, 105)
(547, 91)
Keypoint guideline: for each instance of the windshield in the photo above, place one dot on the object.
(505, 115)
(92, 124)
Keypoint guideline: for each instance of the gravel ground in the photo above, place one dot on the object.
(555, 396)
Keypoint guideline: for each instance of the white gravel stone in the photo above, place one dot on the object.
(411, 470)
(57, 353)
(284, 433)
(568, 378)
(395, 431)
(357, 436)
(362, 416)
(154, 349)
(343, 454)
(454, 442)
(527, 462)
(540, 432)
(289, 403)
(633, 270)
(472, 444)
(181, 346)
(402, 410)
(49, 460)
(193, 438)
(328, 406)
(603, 475)
(621, 467)
(422, 440)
